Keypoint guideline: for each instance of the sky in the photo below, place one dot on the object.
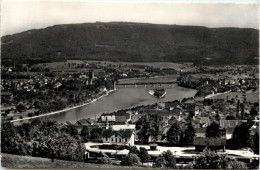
(19, 16)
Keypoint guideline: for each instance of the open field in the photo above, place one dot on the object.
(15, 161)
(251, 96)
(177, 66)
(224, 75)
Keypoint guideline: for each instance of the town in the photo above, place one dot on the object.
(222, 118)
(130, 84)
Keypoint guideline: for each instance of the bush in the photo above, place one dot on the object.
(130, 160)
(159, 163)
(236, 165)
(143, 154)
(170, 161)
(166, 159)
(104, 160)
(133, 150)
(211, 160)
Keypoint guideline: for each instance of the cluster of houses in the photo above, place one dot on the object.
(120, 129)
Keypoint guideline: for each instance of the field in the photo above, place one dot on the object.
(224, 75)
(15, 161)
(177, 66)
(61, 66)
(251, 96)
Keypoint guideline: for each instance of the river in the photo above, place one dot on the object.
(123, 97)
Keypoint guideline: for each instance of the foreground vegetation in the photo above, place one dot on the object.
(15, 161)
(54, 141)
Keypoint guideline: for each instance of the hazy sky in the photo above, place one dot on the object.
(21, 16)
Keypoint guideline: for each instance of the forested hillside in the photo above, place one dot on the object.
(135, 42)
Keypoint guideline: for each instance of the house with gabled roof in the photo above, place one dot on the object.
(201, 143)
(121, 137)
(229, 123)
(85, 122)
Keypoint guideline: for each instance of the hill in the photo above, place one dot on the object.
(135, 42)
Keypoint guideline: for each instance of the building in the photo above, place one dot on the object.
(202, 143)
(121, 137)
(85, 122)
(229, 123)
(122, 127)
(200, 132)
(108, 118)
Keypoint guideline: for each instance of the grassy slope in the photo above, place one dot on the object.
(15, 161)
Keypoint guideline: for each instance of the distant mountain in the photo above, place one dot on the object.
(135, 42)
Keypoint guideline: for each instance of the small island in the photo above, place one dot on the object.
(158, 92)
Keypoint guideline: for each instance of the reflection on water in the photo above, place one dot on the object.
(120, 99)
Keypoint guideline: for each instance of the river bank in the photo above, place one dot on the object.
(141, 78)
(63, 110)
(213, 95)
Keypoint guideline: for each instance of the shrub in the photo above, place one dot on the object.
(166, 159)
(143, 154)
(211, 160)
(170, 161)
(133, 150)
(104, 160)
(159, 163)
(130, 160)
(236, 165)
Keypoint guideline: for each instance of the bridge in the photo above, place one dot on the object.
(146, 84)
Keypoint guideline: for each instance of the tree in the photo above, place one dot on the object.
(256, 143)
(85, 134)
(96, 134)
(254, 109)
(20, 107)
(241, 136)
(188, 135)
(130, 160)
(170, 161)
(211, 160)
(71, 130)
(166, 159)
(214, 131)
(217, 117)
(160, 161)
(143, 154)
(174, 134)
(149, 128)
(134, 150)
(156, 128)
